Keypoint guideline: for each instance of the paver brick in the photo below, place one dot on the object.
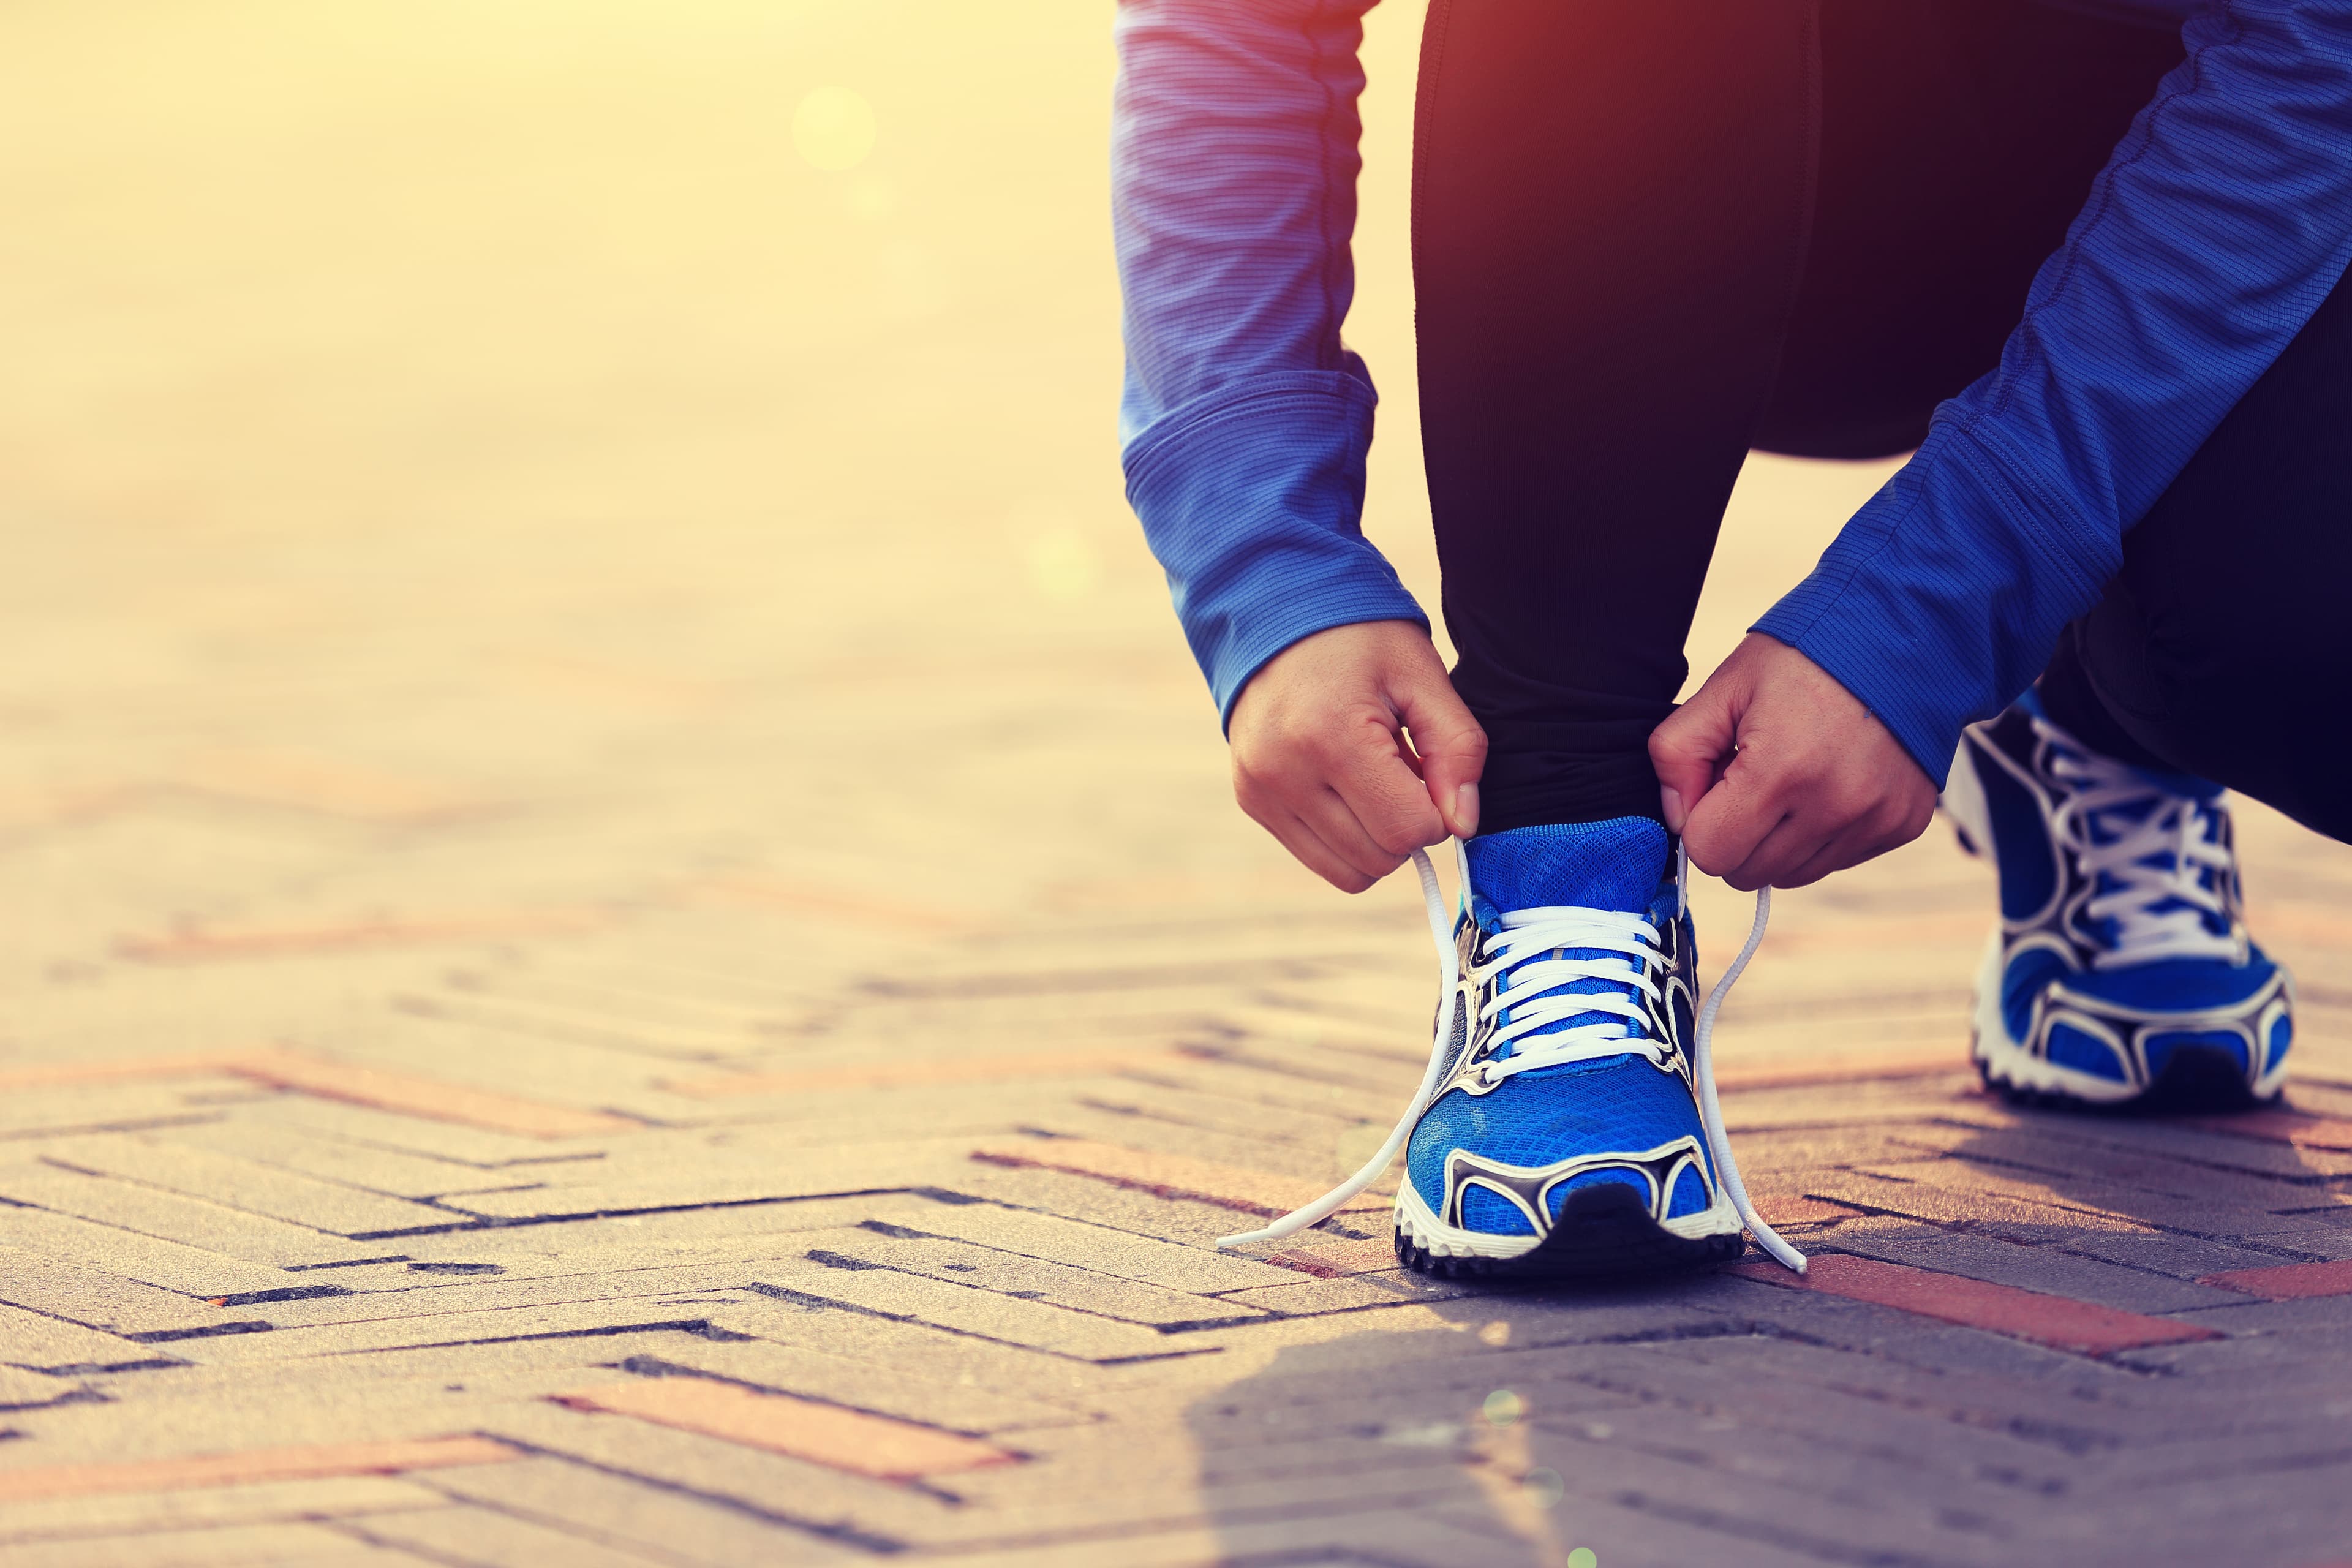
(175, 1218)
(38, 1343)
(270, 1545)
(1165, 1175)
(256, 1502)
(824, 1434)
(969, 1309)
(248, 1468)
(2287, 1281)
(461, 1533)
(2043, 1319)
(239, 1183)
(671, 1524)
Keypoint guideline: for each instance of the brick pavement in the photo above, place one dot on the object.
(625, 943)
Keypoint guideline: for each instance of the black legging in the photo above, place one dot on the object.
(1647, 238)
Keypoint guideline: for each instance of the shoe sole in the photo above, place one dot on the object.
(1604, 1232)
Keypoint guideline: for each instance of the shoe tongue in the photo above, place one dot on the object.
(1612, 865)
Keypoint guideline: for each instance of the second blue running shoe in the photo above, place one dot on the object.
(2121, 971)
(1564, 1135)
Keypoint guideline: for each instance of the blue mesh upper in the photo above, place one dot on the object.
(2176, 985)
(1612, 865)
(1484, 1209)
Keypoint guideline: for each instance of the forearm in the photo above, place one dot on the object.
(1244, 420)
(2221, 221)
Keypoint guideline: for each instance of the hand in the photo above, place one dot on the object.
(1321, 760)
(1775, 776)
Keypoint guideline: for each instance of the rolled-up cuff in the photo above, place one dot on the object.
(1253, 502)
(1940, 601)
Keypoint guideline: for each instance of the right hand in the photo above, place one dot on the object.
(1321, 758)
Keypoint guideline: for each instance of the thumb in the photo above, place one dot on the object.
(1691, 747)
(1451, 745)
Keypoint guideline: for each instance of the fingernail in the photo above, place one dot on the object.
(1465, 810)
(1670, 802)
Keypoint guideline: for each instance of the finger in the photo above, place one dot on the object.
(1731, 820)
(1842, 851)
(1308, 848)
(1691, 748)
(1375, 785)
(1866, 840)
(1450, 746)
(1346, 836)
(1790, 842)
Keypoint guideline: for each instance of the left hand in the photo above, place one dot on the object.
(1776, 775)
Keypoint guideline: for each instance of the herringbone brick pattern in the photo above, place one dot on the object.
(625, 942)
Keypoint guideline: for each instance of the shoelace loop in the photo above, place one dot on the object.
(1538, 926)
(2148, 848)
(1536, 1001)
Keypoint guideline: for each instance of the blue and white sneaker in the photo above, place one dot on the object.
(1564, 1135)
(2121, 971)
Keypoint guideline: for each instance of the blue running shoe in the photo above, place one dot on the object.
(1564, 1135)
(2121, 971)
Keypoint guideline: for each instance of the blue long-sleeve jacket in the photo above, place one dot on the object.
(2220, 222)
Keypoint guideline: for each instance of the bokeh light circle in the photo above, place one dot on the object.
(834, 128)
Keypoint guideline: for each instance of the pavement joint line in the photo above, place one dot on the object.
(827, 1303)
(1985, 1229)
(976, 1069)
(2054, 1323)
(2309, 1180)
(860, 1265)
(700, 1327)
(1164, 1175)
(655, 1366)
(203, 1331)
(517, 1222)
(2279, 1124)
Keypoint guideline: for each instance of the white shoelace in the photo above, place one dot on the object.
(2154, 858)
(1527, 932)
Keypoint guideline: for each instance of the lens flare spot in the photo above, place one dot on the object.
(1545, 1488)
(871, 200)
(1503, 1407)
(1063, 565)
(1584, 1557)
(834, 129)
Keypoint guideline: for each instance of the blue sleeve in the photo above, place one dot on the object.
(1244, 421)
(2221, 221)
